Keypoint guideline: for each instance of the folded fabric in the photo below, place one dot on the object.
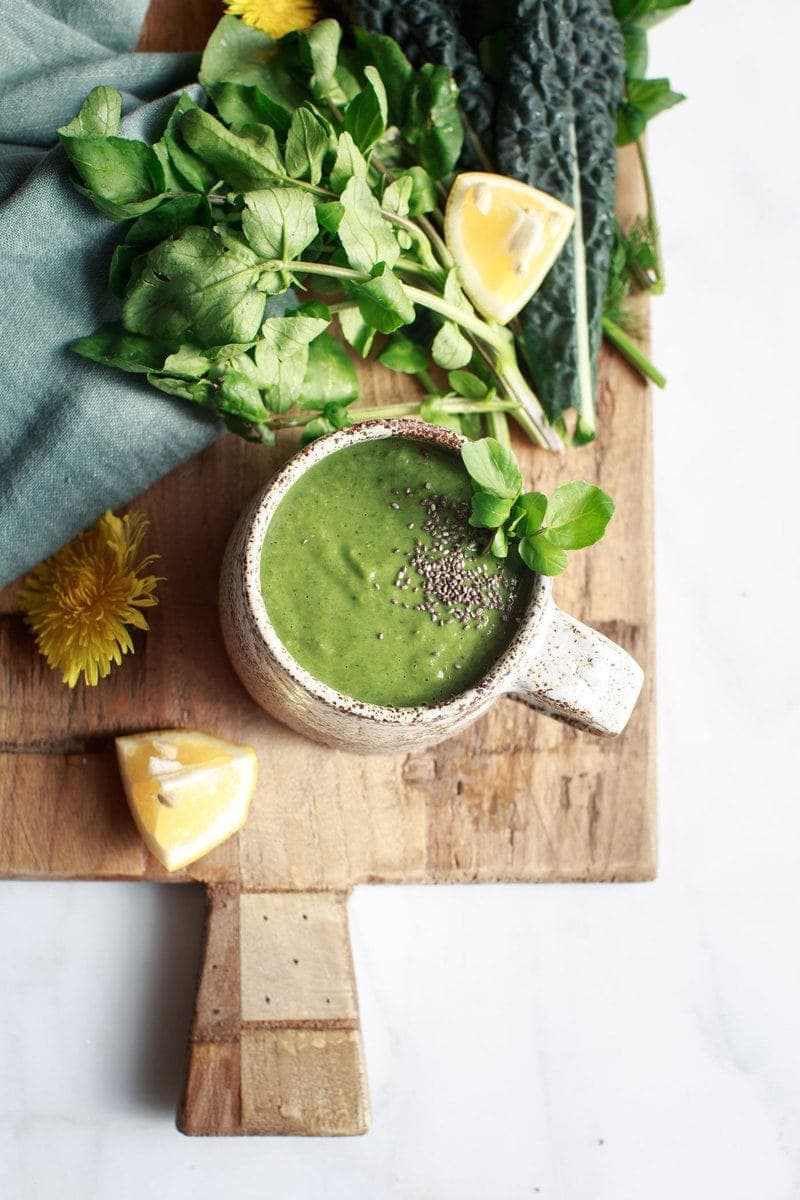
(75, 438)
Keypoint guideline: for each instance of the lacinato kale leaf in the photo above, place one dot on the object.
(556, 125)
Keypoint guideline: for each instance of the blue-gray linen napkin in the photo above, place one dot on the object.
(75, 438)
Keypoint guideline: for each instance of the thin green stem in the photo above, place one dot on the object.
(387, 412)
(657, 284)
(497, 424)
(630, 351)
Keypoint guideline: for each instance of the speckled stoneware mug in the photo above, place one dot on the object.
(554, 664)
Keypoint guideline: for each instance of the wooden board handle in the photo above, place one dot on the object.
(275, 1045)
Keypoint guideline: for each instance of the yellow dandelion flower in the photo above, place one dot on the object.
(275, 17)
(80, 601)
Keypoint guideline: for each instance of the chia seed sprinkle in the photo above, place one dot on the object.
(394, 505)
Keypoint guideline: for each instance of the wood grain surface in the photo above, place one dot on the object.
(275, 1045)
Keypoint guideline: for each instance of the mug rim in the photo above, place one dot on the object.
(488, 687)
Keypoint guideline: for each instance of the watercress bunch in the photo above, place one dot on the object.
(542, 529)
(313, 167)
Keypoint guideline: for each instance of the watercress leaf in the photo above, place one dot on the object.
(192, 169)
(422, 198)
(280, 379)
(117, 171)
(314, 429)
(365, 115)
(204, 281)
(170, 218)
(285, 336)
(366, 237)
(432, 409)
(279, 223)
(382, 300)
(320, 44)
(349, 162)
(401, 354)
(488, 510)
(241, 104)
(98, 116)
(232, 51)
(645, 98)
(542, 556)
(577, 515)
(356, 331)
(493, 467)
(397, 196)
(450, 349)
(499, 546)
(635, 52)
(243, 162)
(464, 383)
(306, 146)
(527, 514)
(199, 391)
(329, 215)
(432, 124)
(330, 377)
(115, 347)
(192, 362)
(239, 396)
(338, 415)
(394, 68)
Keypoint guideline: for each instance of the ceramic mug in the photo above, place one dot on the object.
(554, 664)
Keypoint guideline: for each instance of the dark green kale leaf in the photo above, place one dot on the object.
(555, 130)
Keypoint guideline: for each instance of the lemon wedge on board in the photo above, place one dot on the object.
(187, 791)
(504, 237)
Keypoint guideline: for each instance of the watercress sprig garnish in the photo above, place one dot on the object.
(542, 529)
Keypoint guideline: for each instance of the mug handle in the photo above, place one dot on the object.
(579, 676)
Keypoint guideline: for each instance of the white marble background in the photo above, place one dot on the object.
(574, 1043)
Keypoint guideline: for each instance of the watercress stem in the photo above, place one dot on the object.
(630, 351)
(656, 285)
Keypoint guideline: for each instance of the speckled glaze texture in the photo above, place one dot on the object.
(554, 664)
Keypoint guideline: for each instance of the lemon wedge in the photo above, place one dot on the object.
(187, 791)
(504, 237)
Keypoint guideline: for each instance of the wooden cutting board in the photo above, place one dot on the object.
(275, 1044)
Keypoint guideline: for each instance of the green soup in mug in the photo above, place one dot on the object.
(377, 585)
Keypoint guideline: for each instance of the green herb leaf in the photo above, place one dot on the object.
(280, 379)
(241, 104)
(330, 377)
(542, 556)
(577, 515)
(394, 68)
(98, 116)
(365, 236)
(433, 125)
(202, 281)
(284, 336)
(232, 51)
(321, 46)
(422, 198)
(239, 396)
(242, 162)
(499, 546)
(382, 300)
(450, 349)
(349, 162)
(489, 511)
(115, 347)
(279, 222)
(356, 331)
(493, 467)
(306, 146)
(527, 514)
(401, 354)
(365, 115)
(645, 98)
(196, 173)
(467, 385)
(397, 196)
(199, 391)
(123, 178)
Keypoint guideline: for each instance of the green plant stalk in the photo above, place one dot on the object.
(497, 425)
(630, 351)
(656, 285)
(389, 412)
